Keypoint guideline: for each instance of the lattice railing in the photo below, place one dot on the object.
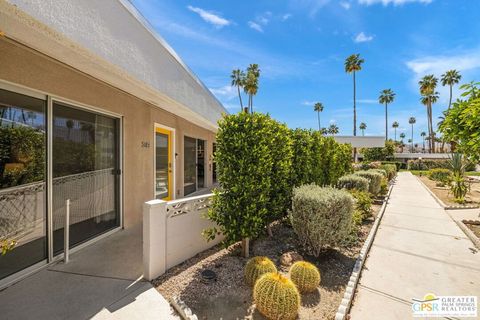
(187, 205)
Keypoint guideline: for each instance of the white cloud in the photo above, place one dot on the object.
(345, 5)
(225, 93)
(367, 101)
(210, 17)
(255, 26)
(286, 16)
(309, 103)
(393, 2)
(362, 37)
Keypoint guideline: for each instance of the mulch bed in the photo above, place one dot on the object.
(474, 226)
(230, 298)
(444, 194)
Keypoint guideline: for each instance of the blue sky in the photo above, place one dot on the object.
(301, 46)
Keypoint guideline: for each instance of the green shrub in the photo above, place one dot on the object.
(441, 175)
(400, 165)
(305, 276)
(245, 170)
(363, 203)
(384, 187)
(353, 182)
(276, 297)
(374, 180)
(318, 159)
(256, 267)
(459, 187)
(381, 171)
(321, 217)
(391, 170)
(379, 154)
(426, 164)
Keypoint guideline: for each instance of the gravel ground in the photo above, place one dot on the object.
(230, 298)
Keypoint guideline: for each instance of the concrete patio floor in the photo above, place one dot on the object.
(418, 249)
(101, 281)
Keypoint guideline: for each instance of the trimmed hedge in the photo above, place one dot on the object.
(374, 180)
(400, 165)
(318, 159)
(391, 170)
(440, 175)
(353, 182)
(425, 164)
(321, 217)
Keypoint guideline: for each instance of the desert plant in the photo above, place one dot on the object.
(305, 276)
(353, 182)
(363, 203)
(256, 267)
(459, 188)
(391, 170)
(384, 186)
(381, 171)
(276, 297)
(374, 180)
(320, 217)
(398, 164)
(441, 175)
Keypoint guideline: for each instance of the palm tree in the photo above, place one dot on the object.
(412, 121)
(395, 125)
(318, 107)
(386, 96)
(251, 83)
(353, 64)
(238, 80)
(428, 85)
(333, 129)
(402, 136)
(362, 127)
(450, 78)
(423, 134)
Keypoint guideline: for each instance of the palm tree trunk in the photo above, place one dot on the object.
(432, 139)
(412, 138)
(450, 101)
(395, 134)
(354, 116)
(240, 97)
(318, 116)
(386, 122)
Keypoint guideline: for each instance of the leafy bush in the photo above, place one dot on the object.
(276, 297)
(374, 180)
(381, 171)
(459, 188)
(305, 276)
(321, 217)
(384, 187)
(400, 165)
(379, 154)
(441, 175)
(363, 204)
(245, 170)
(318, 159)
(422, 164)
(256, 267)
(391, 170)
(353, 182)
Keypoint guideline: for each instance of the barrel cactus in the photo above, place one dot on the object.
(305, 276)
(276, 297)
(256, 267)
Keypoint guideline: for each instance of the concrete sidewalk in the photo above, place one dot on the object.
(101, 281)
(418, 249)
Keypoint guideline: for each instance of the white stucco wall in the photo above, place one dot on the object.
(362, 141)
(114, 31)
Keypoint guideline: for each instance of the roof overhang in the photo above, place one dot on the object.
(362, 141)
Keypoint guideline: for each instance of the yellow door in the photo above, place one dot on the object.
(163, 164)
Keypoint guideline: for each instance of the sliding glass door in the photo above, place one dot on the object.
(23, 217)
(86, 172)
(189, 165)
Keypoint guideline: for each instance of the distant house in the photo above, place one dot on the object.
(96, 108)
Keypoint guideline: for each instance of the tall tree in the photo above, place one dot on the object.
(251, 83)
(450, 78)
(333, 129)
(402, 145)
(423, 134)
(353, 64)
(395, 125)
(412, 121)
(362, 127)
(386, 97)
(238, 80)
(427, 85)
(318, 107)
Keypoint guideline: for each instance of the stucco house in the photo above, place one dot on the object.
(98, 114)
